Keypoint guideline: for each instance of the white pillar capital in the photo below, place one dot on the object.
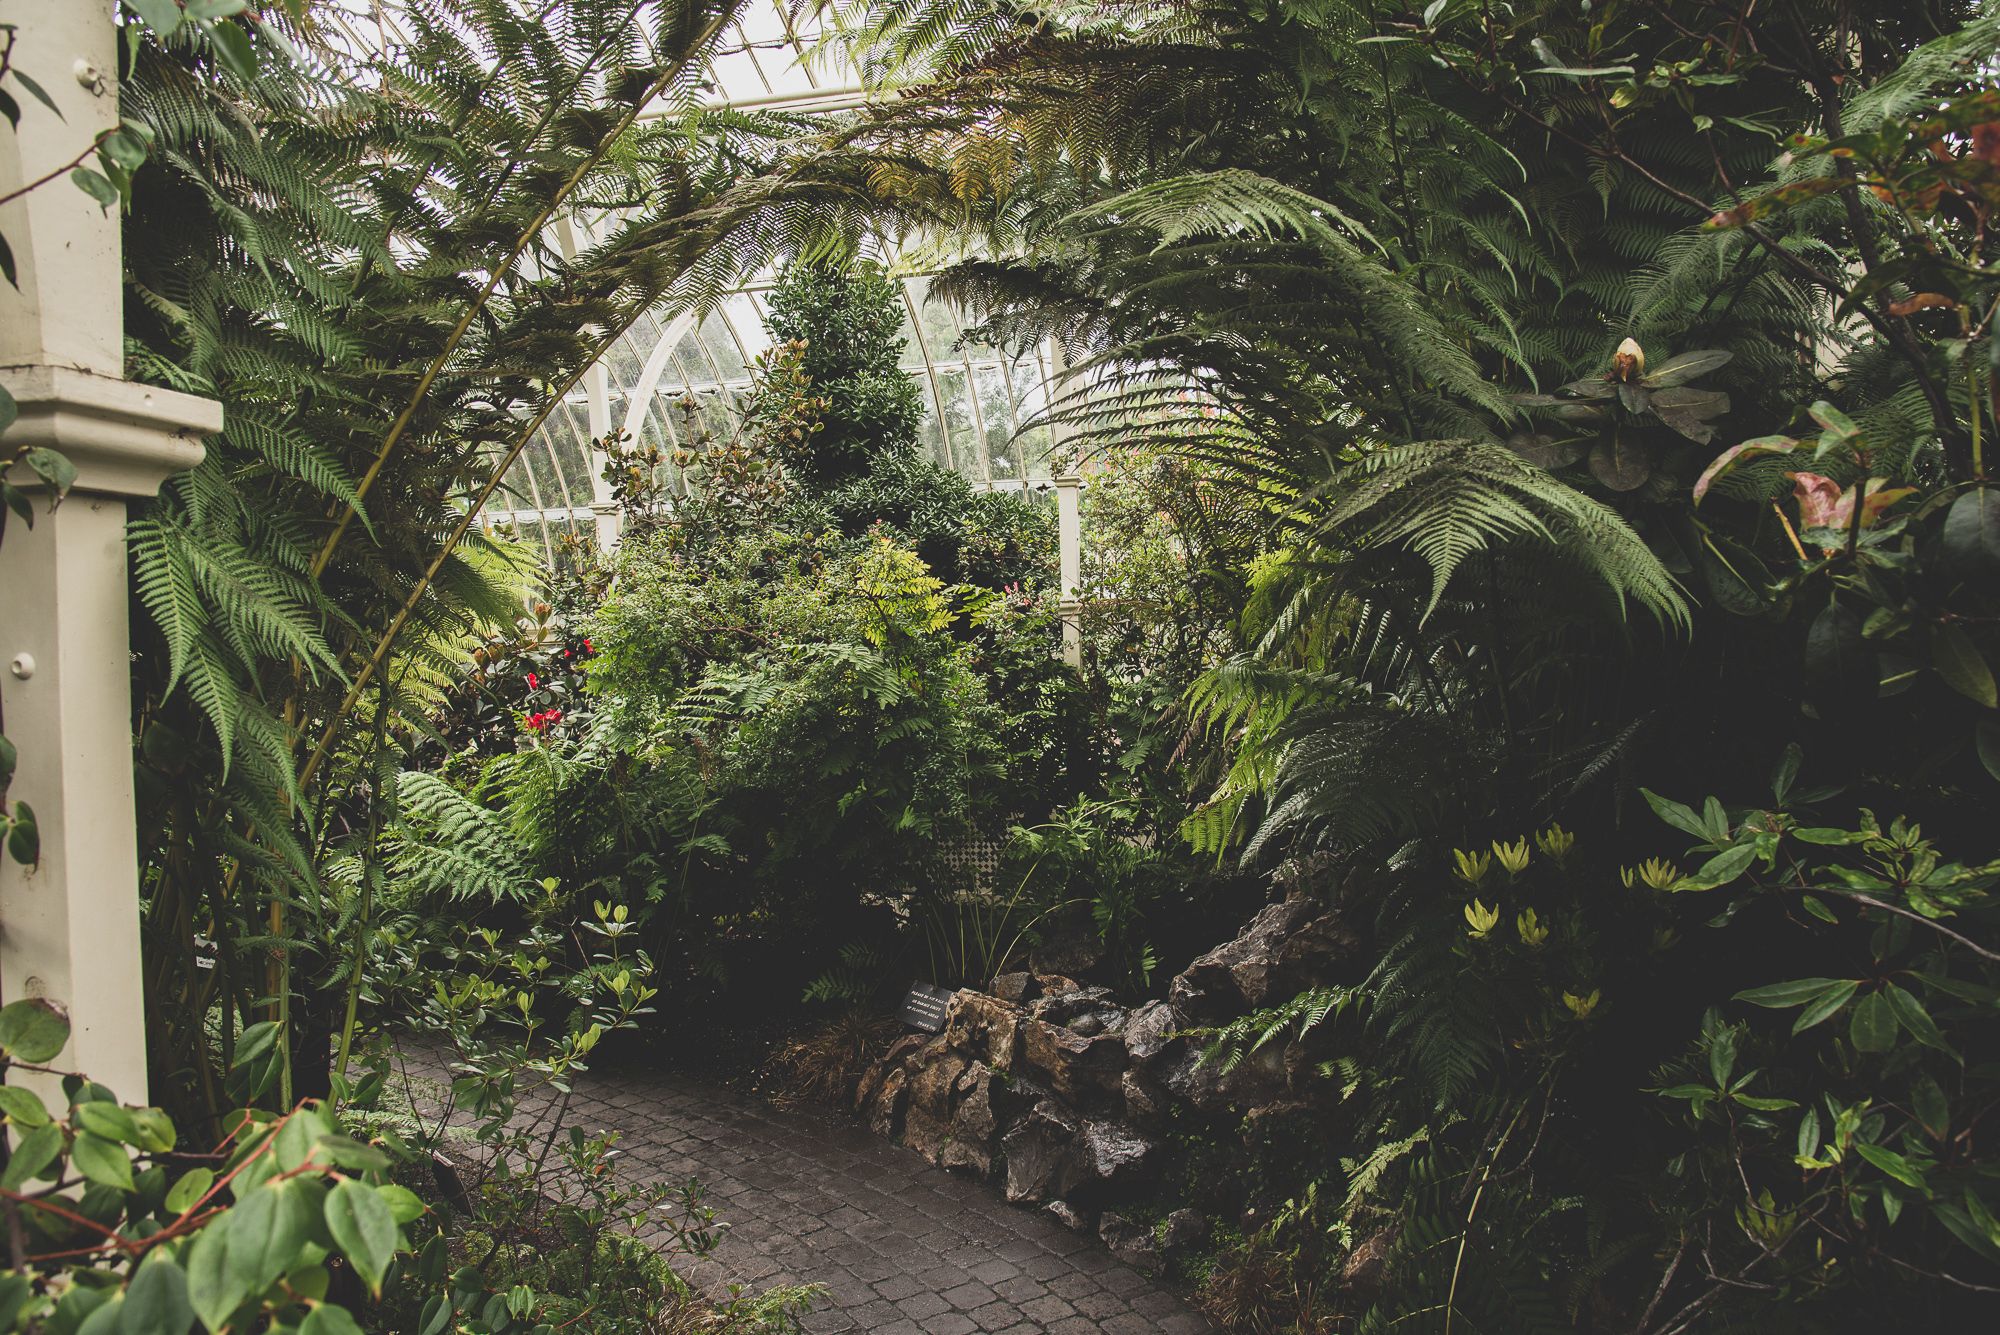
(124, 439)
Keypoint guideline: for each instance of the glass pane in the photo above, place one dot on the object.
(722, 349)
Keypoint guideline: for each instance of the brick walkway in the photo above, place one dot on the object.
(902, 1248)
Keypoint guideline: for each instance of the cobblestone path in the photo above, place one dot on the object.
(902, 1247)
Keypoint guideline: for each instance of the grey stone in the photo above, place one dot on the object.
(1068, 1215)
(1038, 1151)
(1014, 987)
(1150, 1032)
(1109, 1154)
(984, 1028)
(1129, 1241)
(1183, 1230)
(1078, 1067)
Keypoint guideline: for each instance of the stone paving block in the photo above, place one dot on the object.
(899, 1247)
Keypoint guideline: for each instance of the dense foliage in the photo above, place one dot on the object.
(1539, 504)
(1610, 388)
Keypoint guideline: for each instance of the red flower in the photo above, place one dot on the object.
(586, 647)
(533, 681)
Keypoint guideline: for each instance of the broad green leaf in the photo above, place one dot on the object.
(1972, 533)
(109, 1121)
(156, 1301)
(405, 1206)
(1722, 1056)
(1873, 1026)
(216, 9)
(1819, 834)
(295, 1140)
(33, 1030)
(266, 1230)
(1825, 1004)
(1894, 1164)
(1721, 869)
(1911, 1013)
(1786, 771)
(1986, 740)
(104, 1319)
(362, 1223)
(14, 1294)
(97, 186)
(327, 1319)
(213, 1285)
(1809, 1133)
(1685, 366)
(1795, 993)
(22, 1107)
(35, 1152)
(1837, 423)
(101, 1161)
(1966, 1228)
(233, 44)
(1674, 814)
(1761, 1104)
(162, 16)
(125, 147)
(156, 1130)
(9, 757)
(185, 1193)
(436, 1316)
(1959, 662)
(35, 90)
(24, 836)
(344, 1151)
(1933, 1109)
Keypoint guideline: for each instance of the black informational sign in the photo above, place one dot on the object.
(924, 1007)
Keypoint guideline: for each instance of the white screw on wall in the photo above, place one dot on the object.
(23, 666)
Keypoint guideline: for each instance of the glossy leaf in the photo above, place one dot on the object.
(24, 844)
(1736, 454)
(1894, 1164)
(214, 1287)
(156, 1301)
(1685, 366)
(33, 1030)
(189, 1190)
(101, 1161)
(1825, 1005)
(1972, 533)
(327, 1319)
(266, 1230)
(365, 1227)
(1911, 1014)
(1872, 1027)
(1795, 993)
(107, 1120)
(33, 1153)
(162, 16)
(22, 1108)
(97, 186)
(1959, 662)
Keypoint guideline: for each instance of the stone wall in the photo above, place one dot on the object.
(1062, 1097)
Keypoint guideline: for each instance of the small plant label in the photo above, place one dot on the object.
(924, 1007)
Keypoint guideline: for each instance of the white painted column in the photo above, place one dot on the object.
(1069, 544)
(69, 928)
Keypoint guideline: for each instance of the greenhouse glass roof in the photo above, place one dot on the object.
(673, 375)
